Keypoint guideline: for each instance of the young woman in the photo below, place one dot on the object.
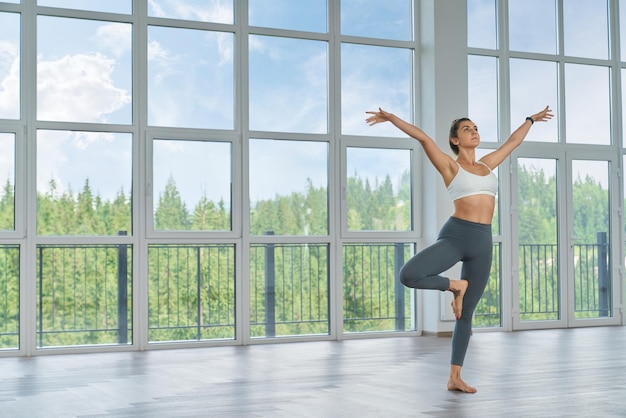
(466, 236)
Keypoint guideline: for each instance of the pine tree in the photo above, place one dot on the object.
(85, 220)
(7, 207)
(171, 212)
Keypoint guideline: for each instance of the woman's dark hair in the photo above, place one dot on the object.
(454, 133)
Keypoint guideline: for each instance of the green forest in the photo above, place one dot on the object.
(191, 287)
(370, 207)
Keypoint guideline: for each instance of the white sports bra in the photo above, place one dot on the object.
(468, 184)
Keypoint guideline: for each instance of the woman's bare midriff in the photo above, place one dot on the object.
(478, 208)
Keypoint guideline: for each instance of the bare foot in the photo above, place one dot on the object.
(459, 385)
(459, 289)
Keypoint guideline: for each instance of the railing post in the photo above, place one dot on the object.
(270, 289)
(122, 291)
(198, 293)
(40, 296)
(399, 287)
(603, 275)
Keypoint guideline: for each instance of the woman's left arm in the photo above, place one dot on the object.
(493, 159)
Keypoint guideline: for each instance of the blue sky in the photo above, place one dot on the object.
(191, 81)
(87, 78)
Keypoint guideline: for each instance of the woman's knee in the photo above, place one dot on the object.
(407, 278)
(418, 278)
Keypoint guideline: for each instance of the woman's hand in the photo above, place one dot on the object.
(543, 116)
(378, 117)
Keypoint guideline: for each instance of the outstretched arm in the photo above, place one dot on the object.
(496, 157)
(442, 161)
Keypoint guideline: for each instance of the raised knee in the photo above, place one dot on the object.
(404, 277)
(408, 278)
(404, 280)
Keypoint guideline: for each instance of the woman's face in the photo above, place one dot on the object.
(467, 135)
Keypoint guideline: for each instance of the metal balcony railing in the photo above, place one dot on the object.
(84, 295)
(9, 296)
(84, 292)
(191, 292)
(539, 286)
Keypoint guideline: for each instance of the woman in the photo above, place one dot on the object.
(466, 236)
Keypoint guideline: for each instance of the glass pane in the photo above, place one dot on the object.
(390, 19)
(585, 28)
(538, 241)
(289, 292)
(288, 187)
(373, 77)
(534, 84)
(111, 6)
(488, 313)
(7, 182)
(10, 297)
(379, 189)
(591, 237)
(374, 300)
(288, 85)
(481, 24)
(84, 295)
(622, 29)
(537, 34)
(215, 11)
(84, 183)
(192, 185)
(587, 104)
(190, 78)
(191, 292)
(482, 74)
(10, 66)
(538, 247)
(84, 78)
(302, 15)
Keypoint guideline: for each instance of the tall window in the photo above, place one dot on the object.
(561, 57)
(203, 170)
(378, 177)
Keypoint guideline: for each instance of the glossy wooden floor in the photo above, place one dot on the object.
(547, 373)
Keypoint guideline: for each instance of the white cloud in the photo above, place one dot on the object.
(162, 62)
(219, 11)
(155, 9)
(82, 140)
(78, 88)
(256, 44)
(225, 47)
(156, 52)
(10, 84)
(115, 38)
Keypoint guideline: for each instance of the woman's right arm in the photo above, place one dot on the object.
(442, 161)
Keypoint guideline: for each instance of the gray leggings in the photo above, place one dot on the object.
(459, 240)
